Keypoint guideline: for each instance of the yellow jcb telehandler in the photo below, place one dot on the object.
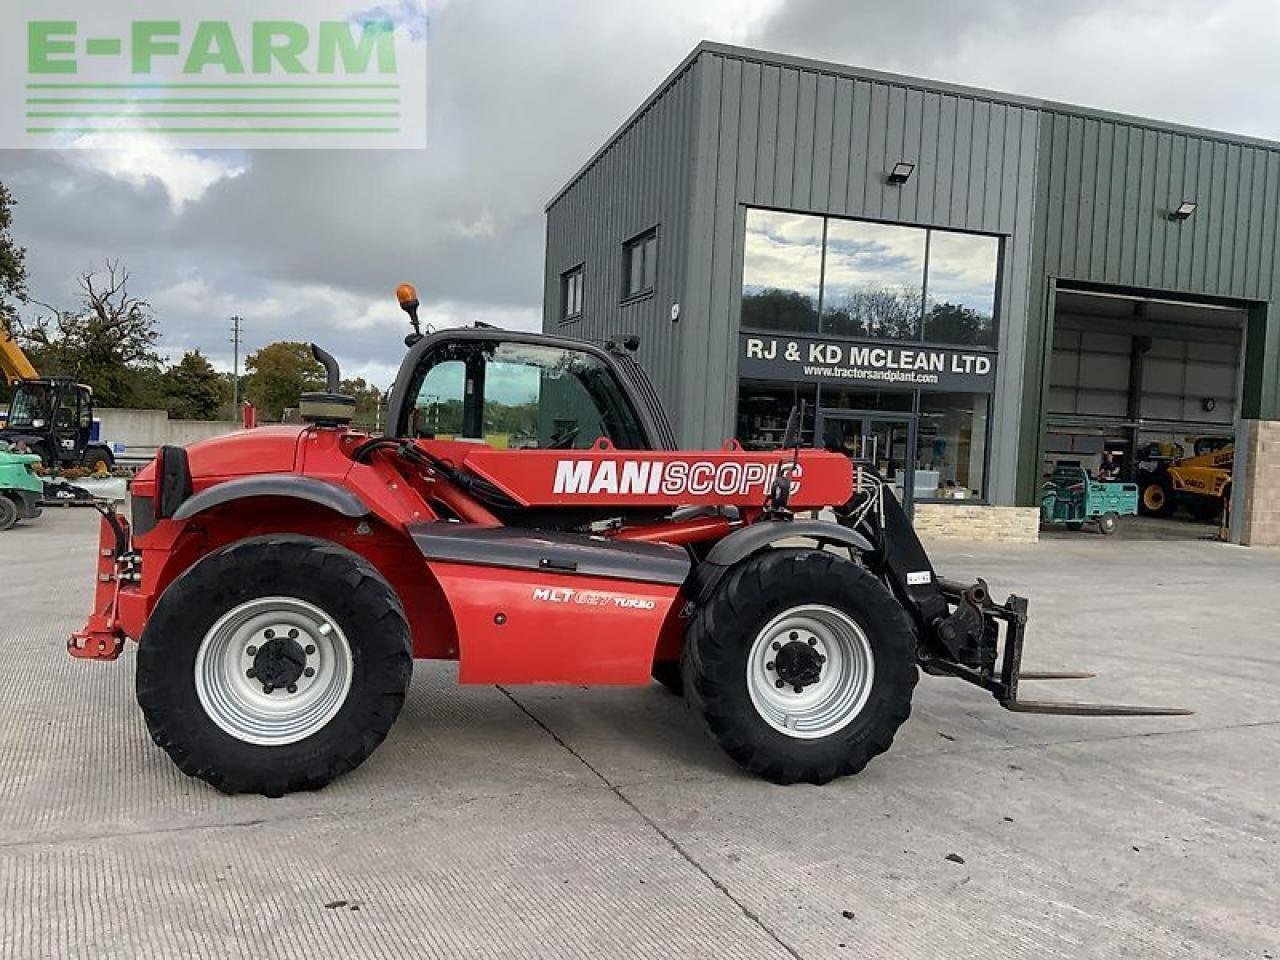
(1201, 482)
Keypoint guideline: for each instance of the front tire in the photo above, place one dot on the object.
(41, 450)
(274, 664)
(1156, 499)
(802, 666)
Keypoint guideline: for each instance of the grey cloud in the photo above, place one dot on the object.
(908, 34)
(516, 103)
(1208, 64)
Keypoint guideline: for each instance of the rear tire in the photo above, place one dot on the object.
(1108, 522)
(298, 604)
(668, 674)
(8, 512)
(98, 454)
(756, 632)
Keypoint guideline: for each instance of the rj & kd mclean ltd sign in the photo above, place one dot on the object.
(879, 364)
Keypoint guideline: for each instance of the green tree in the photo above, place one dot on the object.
(278, 374)
(108, 343)
(956, 323)
(226, 409)
(13, 274)
(368, 400)
(193, 389)
(13, 270)
(774, 309)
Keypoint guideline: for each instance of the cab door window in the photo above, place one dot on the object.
(437, 412)
(522, 396)
(67, 417)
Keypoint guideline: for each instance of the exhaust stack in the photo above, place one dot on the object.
(330, 408)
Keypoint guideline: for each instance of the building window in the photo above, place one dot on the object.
(782, 272)
(873, 280)
(571, 294)
(763, 410)
(839, 398)
(816, 281)
(961, 303)
(640, 264)
(810, 274)
(951, 446)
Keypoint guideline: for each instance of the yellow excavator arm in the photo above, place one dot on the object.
(13, 362)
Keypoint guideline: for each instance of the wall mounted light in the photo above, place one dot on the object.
(900, 173)
(1182, 211)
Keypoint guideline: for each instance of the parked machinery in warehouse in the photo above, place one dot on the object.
(1168, 477)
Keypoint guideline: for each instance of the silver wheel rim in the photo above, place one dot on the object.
(236, 699)
(843, 687)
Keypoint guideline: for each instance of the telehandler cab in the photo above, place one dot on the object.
(526, 514)
(51, 417)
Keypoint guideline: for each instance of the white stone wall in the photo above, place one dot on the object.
(977, 522)
(142, 431)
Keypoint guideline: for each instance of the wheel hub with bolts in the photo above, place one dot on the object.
(798, 663)
(273, 670)
(810, 671)
(279, 662)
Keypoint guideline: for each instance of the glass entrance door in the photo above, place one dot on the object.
(884, 440)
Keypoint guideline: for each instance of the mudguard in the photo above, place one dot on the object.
(760, 536)
(322, 492)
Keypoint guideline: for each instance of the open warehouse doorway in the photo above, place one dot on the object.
(1146, 390)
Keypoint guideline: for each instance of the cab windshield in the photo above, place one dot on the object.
(31, 407)
(521, 396)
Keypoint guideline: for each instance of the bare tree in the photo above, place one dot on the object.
(884, 312)
(109, 342)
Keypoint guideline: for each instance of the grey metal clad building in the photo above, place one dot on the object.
(968, 284)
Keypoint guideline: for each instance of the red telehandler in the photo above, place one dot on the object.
(526, 514)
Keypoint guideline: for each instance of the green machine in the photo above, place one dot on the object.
(1070, 496)
(20, 489)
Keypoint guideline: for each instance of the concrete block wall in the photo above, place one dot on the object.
(977, 522)
(142, 431)
(1256, 517)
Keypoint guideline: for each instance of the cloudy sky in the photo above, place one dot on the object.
(310, 244)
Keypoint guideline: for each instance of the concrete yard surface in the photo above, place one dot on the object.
(552, 822)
